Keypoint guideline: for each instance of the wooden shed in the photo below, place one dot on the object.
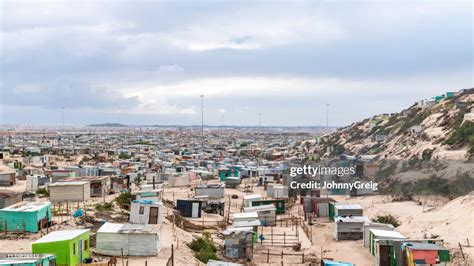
(128, 240)
(75, 191)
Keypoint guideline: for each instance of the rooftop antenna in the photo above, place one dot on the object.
(202, 120)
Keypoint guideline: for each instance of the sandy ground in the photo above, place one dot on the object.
(451, 221)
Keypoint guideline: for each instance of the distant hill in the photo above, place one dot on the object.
(441, 127)
(428, 147)
(108, 125)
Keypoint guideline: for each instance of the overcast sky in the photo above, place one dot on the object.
(144, 62)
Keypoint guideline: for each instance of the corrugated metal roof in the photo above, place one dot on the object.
(61, 235)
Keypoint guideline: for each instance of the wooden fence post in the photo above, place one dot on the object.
(268, 256)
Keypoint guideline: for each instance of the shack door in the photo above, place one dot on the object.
(384, 255)
(153, 219)
(195, 211)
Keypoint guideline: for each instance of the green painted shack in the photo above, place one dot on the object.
(224, 173)
(29, 260)
(449, 94)
(279, 204)
(71, 247)
(26, 216)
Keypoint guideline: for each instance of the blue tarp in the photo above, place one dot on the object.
(336, 263)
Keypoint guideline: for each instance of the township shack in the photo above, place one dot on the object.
(212, 191)
(26, 216)
(131, 239)
(350, 227)
(99, 185)
(278, 203)
(189, 208)
(33, 182)
(8, 198)
(246, 219)
(40, 259)
(225, 173)
(155, 195)
(71, 247)
(417, 253)
(371, 225)
(277, 191)
(146, 212)
(178, 180)
(316, 205)
(238, 243)
(232, 182)
(75, 191)
(378, 234)
(7, 176)
(341, 209)
(266, 214)
(249, 198)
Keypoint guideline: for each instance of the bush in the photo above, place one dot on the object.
(203, 248)
(427, 153)
(123, 198)
(461, 135)
(106, 206)
(387, 219)
(42, 192)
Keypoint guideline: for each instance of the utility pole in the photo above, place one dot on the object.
(202, 121)
(259, 120)
(327, 116)
(63, 117)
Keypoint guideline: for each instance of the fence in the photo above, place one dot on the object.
(275, 257)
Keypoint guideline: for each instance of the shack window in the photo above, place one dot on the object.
(85, 244)
(142, 210)
(73, 248)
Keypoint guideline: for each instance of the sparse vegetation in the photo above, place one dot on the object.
(106, 206)
(462, 135)
(427, 153)
(203, 248)
(42, 192)
(123, 199)
(387, 219)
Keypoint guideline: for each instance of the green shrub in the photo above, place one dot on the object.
(387, 219)
(42, 192)
(203, 248)
(106, 206)
(427, 153)
(462, 135)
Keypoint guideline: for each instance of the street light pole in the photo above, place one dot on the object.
(327, 116)
(202, 121)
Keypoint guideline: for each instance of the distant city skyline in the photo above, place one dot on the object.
(263, 63)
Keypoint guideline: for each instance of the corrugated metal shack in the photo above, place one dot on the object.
(146, 212)
(26, 216)
(189, 208)
(238, 243)
(350, 227)
(266, 214)
(212, 191)
(77, 191)
(131, 239)
(8, 198)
